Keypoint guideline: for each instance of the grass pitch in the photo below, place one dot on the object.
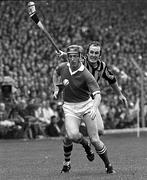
(42, 159)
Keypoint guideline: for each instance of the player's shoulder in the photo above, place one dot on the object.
(106, 65)
(86, 72)
(108, 71)
(109, 67)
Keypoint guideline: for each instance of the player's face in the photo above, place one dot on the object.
(94, 53)
(74, 60)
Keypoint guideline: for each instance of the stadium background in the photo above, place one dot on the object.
(120, 26)
(27, 57)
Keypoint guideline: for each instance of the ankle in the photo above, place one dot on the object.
(66, 162)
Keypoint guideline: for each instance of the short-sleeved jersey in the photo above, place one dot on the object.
(81, 83)
(101, 70)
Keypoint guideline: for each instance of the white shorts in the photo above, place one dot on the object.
(77, 110)
(74, 113)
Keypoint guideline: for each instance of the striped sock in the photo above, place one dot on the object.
(103, 155)
(67, 151)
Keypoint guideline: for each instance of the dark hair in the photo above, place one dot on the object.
(94, 43)
(53, 116)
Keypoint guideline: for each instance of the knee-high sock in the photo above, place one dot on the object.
(67, 147)
(103, 155)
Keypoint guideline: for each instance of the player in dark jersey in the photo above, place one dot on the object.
(99, 69)
(78, 106)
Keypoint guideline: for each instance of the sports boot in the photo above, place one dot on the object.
(110, 170)
(66, 167)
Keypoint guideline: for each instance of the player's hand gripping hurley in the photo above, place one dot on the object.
(33, 15)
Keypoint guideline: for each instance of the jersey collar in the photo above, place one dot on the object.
(81, 68)
(99, 65)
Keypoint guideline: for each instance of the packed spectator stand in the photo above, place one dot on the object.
(29, 59)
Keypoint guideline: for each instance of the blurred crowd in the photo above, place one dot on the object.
(27, 57)
(28, 118)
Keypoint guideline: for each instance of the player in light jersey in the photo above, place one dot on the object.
(78, 106)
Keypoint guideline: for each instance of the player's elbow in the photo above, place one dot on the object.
(97, 96)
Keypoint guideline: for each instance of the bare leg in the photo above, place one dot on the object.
(99, 146)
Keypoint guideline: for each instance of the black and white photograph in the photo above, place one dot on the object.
(73, 89)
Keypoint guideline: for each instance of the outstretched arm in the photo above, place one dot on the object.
(116, 88)
(110, 77)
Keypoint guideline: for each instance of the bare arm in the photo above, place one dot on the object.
(119, 93)
(116, 88)
(96, 103)
(97, 100)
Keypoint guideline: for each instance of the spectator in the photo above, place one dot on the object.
(5, 124)
(43, 117)
(53, 110)
(26, 114)
(53, 129)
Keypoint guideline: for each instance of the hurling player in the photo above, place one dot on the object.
(99, 69)
(78, 106)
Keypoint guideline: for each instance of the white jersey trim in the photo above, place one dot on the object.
(81, 68)
(96, 92)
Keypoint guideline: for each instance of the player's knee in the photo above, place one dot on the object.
(93, 139)
(66, 140)
(74, 136)
(96, 141)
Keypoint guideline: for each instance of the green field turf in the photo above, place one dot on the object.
(42, 159)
